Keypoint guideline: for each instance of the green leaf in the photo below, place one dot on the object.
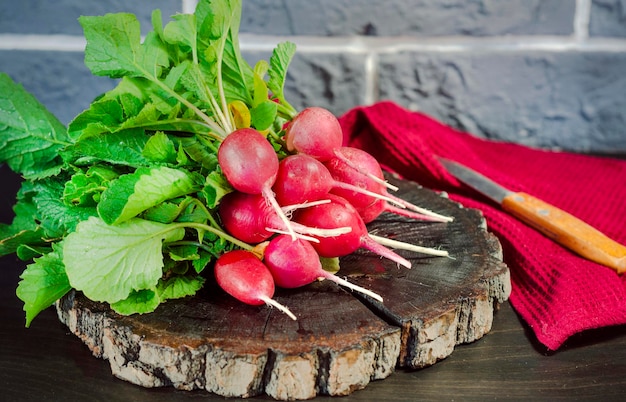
(25, 228)
(279, 63)
(26, 252)
(218, 29)
(182, 31)
(10, 242)
(179, 286)
(160, 148)
(103, 116)
(57, 218)
(84, 188)
(261, 92)
(193, 210)
(184, 253)
(201, 263)
(120, 148)
(201, 151)
(42, 283)
(113, 41)
(138, 302)
(108, 262)
(193, 80)
(263, 115)
(216, 186)
(110, 112)
(134, 193)
(114, 47)
(25, 209)
(165, 212)
(30, 136)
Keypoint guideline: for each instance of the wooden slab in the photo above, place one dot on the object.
(341, 340)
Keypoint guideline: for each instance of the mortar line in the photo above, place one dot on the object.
(394, 44)
(189, 6)
(63, 43)
(582, 17)
(371, 79)
(358, 44)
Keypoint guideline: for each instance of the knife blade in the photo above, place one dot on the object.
(562, 227)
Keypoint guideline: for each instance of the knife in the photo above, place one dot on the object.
(553, 222)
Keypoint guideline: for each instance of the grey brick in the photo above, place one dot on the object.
(333, 81)
(330, 80)
(60, 16)
(408, 17)
(574, 101)
(608, 18)
(59, 80)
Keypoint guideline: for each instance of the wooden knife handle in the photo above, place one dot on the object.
(567, 230)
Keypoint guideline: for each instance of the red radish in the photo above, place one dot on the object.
(242, 275)
(245, 216)
(248, 161)
(314, 131)
(340, 212)
(250, 165)
(296, 263)
(342, 170)
(249, 218)
(302, 178)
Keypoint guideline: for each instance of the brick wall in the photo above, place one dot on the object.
(546, 73)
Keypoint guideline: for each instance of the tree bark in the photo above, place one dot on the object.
(341, 340)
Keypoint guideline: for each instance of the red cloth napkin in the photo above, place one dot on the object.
(556, 292)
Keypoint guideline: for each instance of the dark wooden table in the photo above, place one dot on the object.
(47, 363)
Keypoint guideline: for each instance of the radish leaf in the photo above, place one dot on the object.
(134, 193)
(159, 148)
(263, 115)
(279, 62)
(138, 302)
(108, 262)
(179, 286)
(30, 136)
(42, 283)
(120, 148)
(55, 217)
(114, 47)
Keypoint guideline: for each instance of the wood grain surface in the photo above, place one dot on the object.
(341, 340)
(46, 361)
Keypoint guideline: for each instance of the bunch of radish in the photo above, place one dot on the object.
(313, 203)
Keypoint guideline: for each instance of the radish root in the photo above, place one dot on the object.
(274, 303)
(409, 247)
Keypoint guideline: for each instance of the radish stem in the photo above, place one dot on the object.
(220, 233)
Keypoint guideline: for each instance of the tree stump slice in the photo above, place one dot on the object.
(341, 340)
